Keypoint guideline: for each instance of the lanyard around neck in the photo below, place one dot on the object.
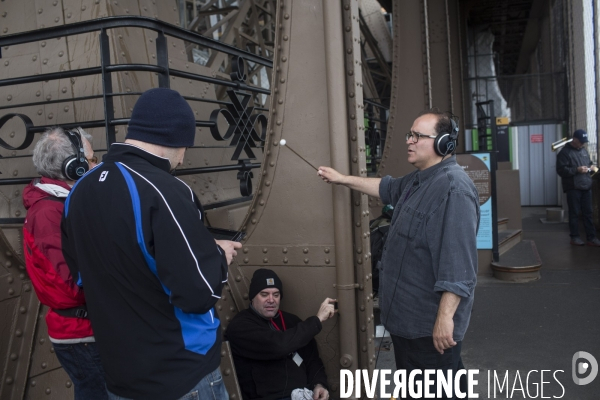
(282, 322)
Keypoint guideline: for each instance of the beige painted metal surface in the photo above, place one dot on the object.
(315, 236)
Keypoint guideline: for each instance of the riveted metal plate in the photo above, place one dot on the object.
(19, 343)
(287, 255)
(43, 358)
(53, 385)
(228, 372)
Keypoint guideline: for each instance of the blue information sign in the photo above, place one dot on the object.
(477, 166)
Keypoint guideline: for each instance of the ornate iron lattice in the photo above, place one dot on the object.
(247, 122)
(240, 117)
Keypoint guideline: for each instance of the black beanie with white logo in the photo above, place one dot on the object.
(264, 279)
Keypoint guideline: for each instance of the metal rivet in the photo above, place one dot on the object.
(56, 19)
(13, 356)
(66, 109)
(41, 10)
(327, 261)
(48, 391)
(246, 260)
(45, 61)
(6, 63)
(49, 97)
(44, 365)
(285, 260)
(9, 97)
(265, 250)
(9, 381)
(68, 384)
(265, 260)
(306, 261)
(26, 288)
(18, 332)
(22, 310)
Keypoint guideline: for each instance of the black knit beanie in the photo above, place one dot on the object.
(264, 279)
(161, 116)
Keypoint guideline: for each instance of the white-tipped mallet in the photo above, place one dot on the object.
(283, 143)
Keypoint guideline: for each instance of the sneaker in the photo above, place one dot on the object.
(578, 242)
(594, 242)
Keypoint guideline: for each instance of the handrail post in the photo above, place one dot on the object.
(109, 111)
(162, 60)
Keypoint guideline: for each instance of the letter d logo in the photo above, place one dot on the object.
(583, 368)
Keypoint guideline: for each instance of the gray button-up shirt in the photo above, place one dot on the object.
(431, 248)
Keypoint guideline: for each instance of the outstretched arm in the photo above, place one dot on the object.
(368, 186)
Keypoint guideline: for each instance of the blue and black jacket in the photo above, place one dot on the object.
(134, 236)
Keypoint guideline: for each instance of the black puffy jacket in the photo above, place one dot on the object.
(567, 162)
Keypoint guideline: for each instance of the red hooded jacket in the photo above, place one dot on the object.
(49, 273)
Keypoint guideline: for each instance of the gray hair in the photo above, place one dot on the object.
(53, 148)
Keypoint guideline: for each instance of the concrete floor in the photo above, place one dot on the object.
(523, 327)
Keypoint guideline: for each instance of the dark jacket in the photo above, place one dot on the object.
(44, 201)
(263, 355)
(151, 271)
(567, 161)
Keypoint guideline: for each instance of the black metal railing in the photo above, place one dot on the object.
(241, 115)
(376, 120)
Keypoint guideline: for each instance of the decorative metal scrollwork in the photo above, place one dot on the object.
(28, 133)
(242, 126)
(245, 176)
(242, 123)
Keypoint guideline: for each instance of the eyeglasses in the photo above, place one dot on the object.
(94, 160)
(415, 136)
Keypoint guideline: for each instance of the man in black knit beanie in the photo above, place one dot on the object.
(152, 271)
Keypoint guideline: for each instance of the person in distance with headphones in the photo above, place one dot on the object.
(428, 268)
(61, 158)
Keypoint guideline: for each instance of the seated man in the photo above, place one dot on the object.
(274, 351)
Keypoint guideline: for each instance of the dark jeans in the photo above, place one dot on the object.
(211, 387)
(420, 354)
(82, 363)
(580, 203)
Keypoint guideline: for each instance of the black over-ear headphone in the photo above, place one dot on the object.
(445, 143)
(75, 166)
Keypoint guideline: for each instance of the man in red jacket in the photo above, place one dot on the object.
(61, 157)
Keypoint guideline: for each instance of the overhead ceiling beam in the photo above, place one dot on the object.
(531, 37)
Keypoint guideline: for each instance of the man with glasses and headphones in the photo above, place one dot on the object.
(61, 157)
(428, 268)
